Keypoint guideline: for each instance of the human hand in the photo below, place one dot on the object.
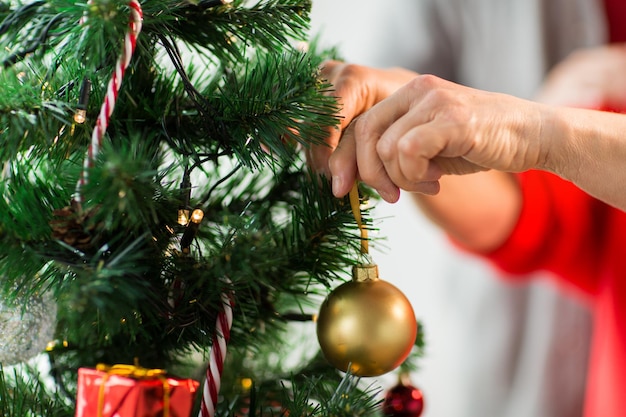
(593, 78)
(357, 88)
(431, 127)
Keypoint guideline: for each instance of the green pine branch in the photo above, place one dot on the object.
(214, 112)
(23, 392)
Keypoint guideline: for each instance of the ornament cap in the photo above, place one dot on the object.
(404, 378)
(364, 272)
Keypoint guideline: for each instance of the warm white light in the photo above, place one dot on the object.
(197, 216)
(183, 217)
(80, 116)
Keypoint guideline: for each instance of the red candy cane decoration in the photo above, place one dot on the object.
(130, 41)
(216, 360)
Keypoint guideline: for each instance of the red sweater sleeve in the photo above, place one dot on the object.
(560, 229)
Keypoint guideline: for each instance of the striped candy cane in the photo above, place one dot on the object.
(216, 360)
(130, 41)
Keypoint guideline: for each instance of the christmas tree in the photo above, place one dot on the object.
(153, 183)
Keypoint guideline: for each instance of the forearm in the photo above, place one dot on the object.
(479, 211)
(587, 148)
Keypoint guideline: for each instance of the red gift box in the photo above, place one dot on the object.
(132, 391)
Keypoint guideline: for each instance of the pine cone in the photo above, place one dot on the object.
(72, 226)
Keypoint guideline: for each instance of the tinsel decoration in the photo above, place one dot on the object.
(26, 326)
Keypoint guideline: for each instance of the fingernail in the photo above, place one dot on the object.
(390, 197)
(337, 183)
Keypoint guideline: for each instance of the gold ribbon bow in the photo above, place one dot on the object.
(135, 372)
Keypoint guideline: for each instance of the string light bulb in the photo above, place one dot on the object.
(197, 216)
(81, 109)
(192, 229)
(183, 216)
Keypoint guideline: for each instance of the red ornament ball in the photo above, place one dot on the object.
(403, 400)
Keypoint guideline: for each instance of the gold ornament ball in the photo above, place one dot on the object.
(366, 324)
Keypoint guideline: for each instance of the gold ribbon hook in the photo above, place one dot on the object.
(355, 204)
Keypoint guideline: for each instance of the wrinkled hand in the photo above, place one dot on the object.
(357, 88)
(592, 78)
(431, 127)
